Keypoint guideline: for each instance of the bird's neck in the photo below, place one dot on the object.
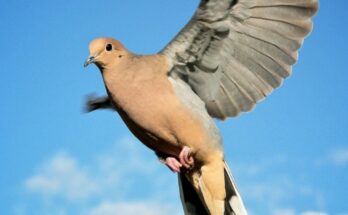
(128, 79)
(135, 69)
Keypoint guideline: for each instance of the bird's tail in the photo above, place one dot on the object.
(193, 205)
(233, 203)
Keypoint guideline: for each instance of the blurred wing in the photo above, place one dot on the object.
(233, 53)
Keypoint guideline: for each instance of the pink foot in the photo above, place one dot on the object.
(173, 164)
(185, 157)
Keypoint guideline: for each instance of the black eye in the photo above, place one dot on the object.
(108, 47)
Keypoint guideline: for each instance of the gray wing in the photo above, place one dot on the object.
(233, 53)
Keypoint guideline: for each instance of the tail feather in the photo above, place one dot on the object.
(190, 200)
(234, 203)
(193, 204)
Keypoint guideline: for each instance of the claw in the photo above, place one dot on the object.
(173, 164)
(186, 158)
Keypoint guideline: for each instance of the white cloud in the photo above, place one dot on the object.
(62, 176)
(314, 213)
(284, 212)
(104, 183)
(133, 208)
(339, 156)
(292, 212)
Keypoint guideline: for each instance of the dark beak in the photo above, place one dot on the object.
(90, 60)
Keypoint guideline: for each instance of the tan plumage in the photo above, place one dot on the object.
(228, 57)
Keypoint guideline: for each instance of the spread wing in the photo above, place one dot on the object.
(233, 53)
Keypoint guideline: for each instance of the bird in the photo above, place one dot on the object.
(229, 56)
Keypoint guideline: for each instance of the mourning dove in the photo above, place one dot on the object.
(229, 56)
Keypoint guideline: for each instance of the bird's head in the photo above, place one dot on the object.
(105, 52)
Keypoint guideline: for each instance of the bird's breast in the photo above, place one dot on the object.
(145, 108)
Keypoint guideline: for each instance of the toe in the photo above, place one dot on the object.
(186, 157)
(173, 164)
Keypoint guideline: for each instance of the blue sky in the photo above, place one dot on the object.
(289, 156)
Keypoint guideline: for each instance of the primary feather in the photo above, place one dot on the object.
(233, 53)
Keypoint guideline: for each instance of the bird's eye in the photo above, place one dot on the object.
(108, 47)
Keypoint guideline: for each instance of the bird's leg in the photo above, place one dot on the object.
(186, 158)
(171, 162)
(93, 103)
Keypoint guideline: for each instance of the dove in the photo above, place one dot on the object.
(229, 56)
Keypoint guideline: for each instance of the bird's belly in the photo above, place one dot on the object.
(159, 118)
(151, 137)
(160, 124)
(166, 125)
